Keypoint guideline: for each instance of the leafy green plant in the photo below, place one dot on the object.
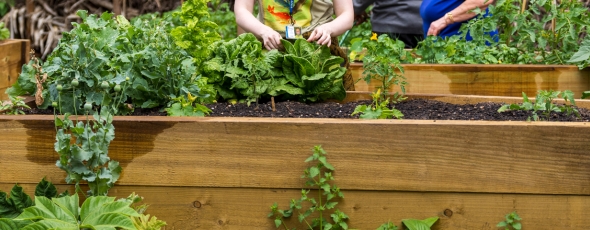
(586, 94)
(98, 212)
(140, 59)
(11, 207)
(540, 32)
(318, 176)
(14, 107)
(413, 224)
(198, 32)
(379, 109)
(387, 226)
(4, 32)
(511, 221)
(187, 108)
(544, 105)
(144, 221)
(224, 18)
(240, 69)
(382, 61)
(83, 150)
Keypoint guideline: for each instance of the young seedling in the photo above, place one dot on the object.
(512, 221)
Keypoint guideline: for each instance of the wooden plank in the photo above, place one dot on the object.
(13, 55)
(246, 208)
(409, 155)
(489, 80)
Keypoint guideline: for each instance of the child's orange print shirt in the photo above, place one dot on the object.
(307, 14)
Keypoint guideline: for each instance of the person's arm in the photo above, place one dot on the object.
(459, 14)
(245, 20)
(344, 18)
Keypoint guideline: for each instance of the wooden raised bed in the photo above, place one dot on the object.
(224, 173)
(486, 80)
(14, 53)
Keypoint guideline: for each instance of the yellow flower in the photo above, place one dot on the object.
(374, 37)
(191, 98)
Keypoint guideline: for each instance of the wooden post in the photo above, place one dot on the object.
(30, 7)
(117, 7)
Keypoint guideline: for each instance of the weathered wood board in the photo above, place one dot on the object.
(247, 208)
(485, 80)
(14, 53)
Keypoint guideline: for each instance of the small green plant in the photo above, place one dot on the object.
(382, 61)
(413, 224)
(187, 107)
(4, 32)
(379, 109)
(586, 94)
(512, 221)
(388, 226)
(544, 104)
(14, 107)
(318, 176)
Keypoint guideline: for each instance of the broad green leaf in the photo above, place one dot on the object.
(9, 224)
(46, 189)
(51, 224)
(45, 209)
(69, 204)
(110, 221)
(314, 171)
(430, 221)
(413, 224)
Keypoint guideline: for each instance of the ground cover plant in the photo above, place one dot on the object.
(544, 105)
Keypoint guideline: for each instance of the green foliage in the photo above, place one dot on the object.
(362, 30)
(99, 212)
(387, 226)
(197, 33)
(526, 36)
(378, 109)
(582, 57)
(240, 69)
(5, 6)
(314, 70)
(318, 176)
(544, 105)
(103, 49)
(224, 18)
(11, 207)
(83, 151)
(586, 94)
(413, 224)
(14, 107)
(382, 54)
(144, 221)
(512, 221)
(4, 32)
(187, 108)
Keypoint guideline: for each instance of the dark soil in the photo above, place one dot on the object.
(418, 109)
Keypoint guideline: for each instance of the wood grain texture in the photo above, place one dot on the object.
(386, 155)
(13, 55)
(247, 208)
(487, 80)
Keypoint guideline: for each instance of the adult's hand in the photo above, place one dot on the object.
(437, 26)
(322, 35)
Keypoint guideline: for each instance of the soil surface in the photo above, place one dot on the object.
(418, 109)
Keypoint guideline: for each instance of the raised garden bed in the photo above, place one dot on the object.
(486, 80)
(207, 173)
(14, 53)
